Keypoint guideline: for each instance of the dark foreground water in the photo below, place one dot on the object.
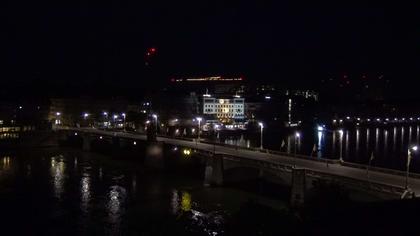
(68, 192)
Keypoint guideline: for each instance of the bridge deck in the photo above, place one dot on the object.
(320, 167)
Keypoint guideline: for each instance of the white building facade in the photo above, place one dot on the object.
(224, 109)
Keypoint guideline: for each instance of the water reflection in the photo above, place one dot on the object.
(394, 140)
(57, 173)
(115, 207)
(186, 201)
(85, 197)
(357, 141)
(417, 133)
(320, 143)
(385, 151)
(339, 143)
(175, 202)
(347, 143)
(410, 131)
(6, 163)
(402, 138)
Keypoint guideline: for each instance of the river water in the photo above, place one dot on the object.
(388, 145)
(69, 192)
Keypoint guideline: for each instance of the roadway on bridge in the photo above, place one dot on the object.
(335, 169)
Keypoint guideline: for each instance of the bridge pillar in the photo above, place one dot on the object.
(86, 142)
(213, 174)
(154, 155)
(297, 197)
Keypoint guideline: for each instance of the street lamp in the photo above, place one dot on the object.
(85, 116)
(123, 115)
(297, 136)
(199, 119)
(341, 132)
(409, 151)
(115, 120)
(57, 118)
(156, 122)
(261, 134)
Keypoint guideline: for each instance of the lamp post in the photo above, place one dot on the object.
(297, 136)
(123, 115)
(85, 116)
(261, 134)
(57, 118)
(156, 122)
(409, 151)
(199, 119)
(106, 121)
(115, 120)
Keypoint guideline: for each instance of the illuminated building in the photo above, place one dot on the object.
(224, 109)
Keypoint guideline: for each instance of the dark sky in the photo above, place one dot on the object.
(81, 43)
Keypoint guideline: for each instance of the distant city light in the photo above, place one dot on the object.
(261, 124)
(20, 107)
(58, 113)
(134, 143)
(341, 132)
(85, 115)
(320, 128)
(348, 117)
(415, 148)
(267, 97)
(297, 135)
(105, 113)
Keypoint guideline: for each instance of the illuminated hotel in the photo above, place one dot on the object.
(224, 109)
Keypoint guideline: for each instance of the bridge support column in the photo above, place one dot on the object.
(297, 197)
(213, 174)
(86, 142)
(154, 156)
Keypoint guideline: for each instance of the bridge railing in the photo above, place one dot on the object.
(379, 169)
(329, 161)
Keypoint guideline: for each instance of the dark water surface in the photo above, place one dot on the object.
(69, 192)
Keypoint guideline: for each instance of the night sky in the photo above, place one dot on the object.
(85, 44)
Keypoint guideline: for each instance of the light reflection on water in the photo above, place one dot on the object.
(57, 173)
(84, 196)
(353, 144)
